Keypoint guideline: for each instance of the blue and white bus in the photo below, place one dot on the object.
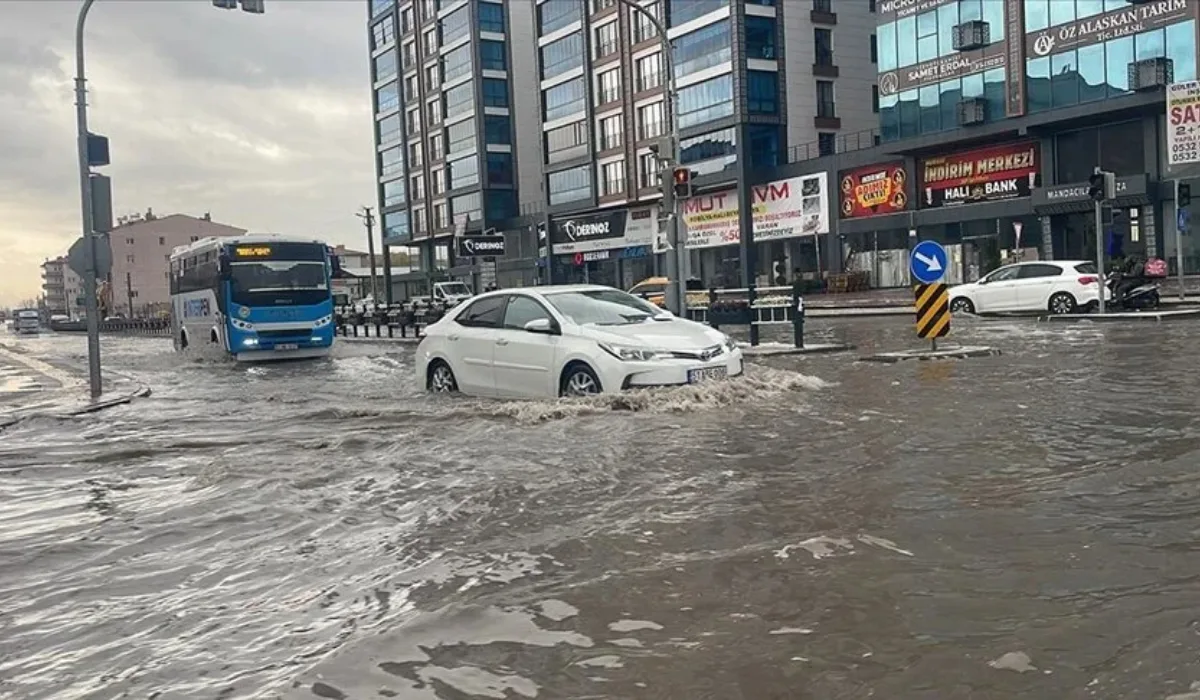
(257, 297)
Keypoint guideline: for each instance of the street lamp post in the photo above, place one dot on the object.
(91, 302)
(676, 293)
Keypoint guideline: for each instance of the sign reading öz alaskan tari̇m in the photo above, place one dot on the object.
(1126, 21)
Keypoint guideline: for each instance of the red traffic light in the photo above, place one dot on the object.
(682, 176)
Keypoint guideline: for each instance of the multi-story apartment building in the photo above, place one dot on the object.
(753, 77)
(141, 247)
(994, 113)
(456, 131)
(54, 286)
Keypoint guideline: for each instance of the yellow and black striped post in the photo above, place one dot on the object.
(933, 311)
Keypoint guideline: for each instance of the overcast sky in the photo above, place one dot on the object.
(262, 120)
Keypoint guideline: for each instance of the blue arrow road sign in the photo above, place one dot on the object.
(927, 262)
(1183, 219)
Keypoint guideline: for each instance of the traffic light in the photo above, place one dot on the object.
(682, 179)
(225, 4)
(1102, 186)
(254, 6)
(1184, 197)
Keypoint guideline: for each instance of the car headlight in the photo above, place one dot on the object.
(730, 344)
(630, 353)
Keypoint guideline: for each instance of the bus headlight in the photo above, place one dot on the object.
(322, 322)
(250, 342)
(241, 325)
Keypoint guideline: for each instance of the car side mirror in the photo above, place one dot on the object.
(983, 280)
(540, 325)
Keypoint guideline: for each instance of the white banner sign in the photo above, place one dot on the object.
(791, 208)
(1183, 123)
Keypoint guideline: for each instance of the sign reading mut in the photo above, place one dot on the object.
(981, 175)
(1126, 21)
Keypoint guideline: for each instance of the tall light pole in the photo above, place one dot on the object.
(369, 221)
(676, 293)
(91, 301)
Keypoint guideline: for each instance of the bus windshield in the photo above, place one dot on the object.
(273, 282)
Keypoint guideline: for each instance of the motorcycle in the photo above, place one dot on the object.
(1135, 289)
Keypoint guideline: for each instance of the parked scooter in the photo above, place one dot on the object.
(1135, 287)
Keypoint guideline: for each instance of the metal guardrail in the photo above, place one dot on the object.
(844, 143)
(772, 306)
(386, 320)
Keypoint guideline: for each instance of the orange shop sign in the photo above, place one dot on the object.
(788, 208)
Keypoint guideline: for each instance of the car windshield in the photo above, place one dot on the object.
(602, 307)
(455, 289)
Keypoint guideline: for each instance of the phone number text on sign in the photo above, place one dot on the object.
(1183, 123)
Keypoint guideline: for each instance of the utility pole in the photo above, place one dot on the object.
(369, 221)
(1102, 187)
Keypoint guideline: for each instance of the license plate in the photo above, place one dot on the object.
(707, 374)
(287, 346)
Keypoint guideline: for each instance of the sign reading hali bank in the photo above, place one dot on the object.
(981, 175)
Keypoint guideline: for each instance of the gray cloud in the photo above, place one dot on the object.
(264, 120)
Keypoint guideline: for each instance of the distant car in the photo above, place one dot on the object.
(1056, 286)
(654, 290)
(568, 341)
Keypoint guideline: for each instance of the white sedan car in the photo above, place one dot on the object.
(1057, 286)
(568, 341)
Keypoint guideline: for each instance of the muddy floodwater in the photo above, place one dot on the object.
(1021, 526)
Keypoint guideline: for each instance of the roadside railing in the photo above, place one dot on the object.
(386, 321)
(772, 306)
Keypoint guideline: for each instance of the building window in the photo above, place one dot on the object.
(874, 49)
(823, 47)
(875, 99)
(499, 169)
(464, 172)
(430, 40)
(390, 129)
(391, 161)
(437, 146)
(823, 6)
(437, 178)
(492, 55)
(416, 186)
(415, 155)
(598, 5)
(413, 117)
(434, 111)
(406, 20)
(495, 92)
(461, 137)
(703, 48)
(385, 66)
(565, 100)
(441, 215)
(556, 14)
(647, 171)
(643, 28)
(570, 185)
(455, 26)
(433, 77)
(760, 37)
(491, 17)
(706, 101)
(610, 86)
(129, 259)
(418, 220)
(605, 43)
(383, 33)
(826, 143)
(561, 56)
(410, 54)
(395, 226)
(612, 178)
(612, 131)
(650, 121)
(457, 63)
(412, 90)
(162, 240)
(762, 92)
(649, 72)
(466, 207)
(713, 146)
(460, 99)
(683, 11)
(566, 142)
(501, 204)
(497, 130)
(387, 98)
(825, 105)
(393, 192)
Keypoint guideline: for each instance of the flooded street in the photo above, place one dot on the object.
(1022, 526)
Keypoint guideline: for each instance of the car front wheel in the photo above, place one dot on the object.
(579, 380)
(961, 305)
(441, 378)
(1062, 303)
